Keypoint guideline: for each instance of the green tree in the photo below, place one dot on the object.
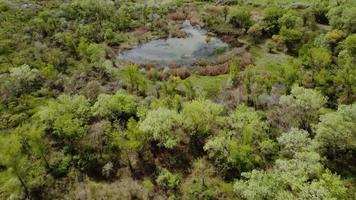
(67, 117)
(162, 125)
(350, 45)
(346, 79)
(200, 116)
(336, 130)
(292, 38)
(134, 79)
(271, 19)
(299, 109)
(20, 174)
(239, 147)
(343, 16)
(115, 106)
(19, 81)
(294, 141)
(240, 17)
(299, 177)
(167, 179)
(291, 19)
(317, 58)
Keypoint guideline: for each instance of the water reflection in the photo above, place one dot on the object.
(182, 51)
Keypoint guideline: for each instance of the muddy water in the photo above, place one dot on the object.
(181, 51)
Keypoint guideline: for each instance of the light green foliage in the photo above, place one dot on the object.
(140, 132)
(334, 36)
(261, 185)
(148, 185)
(289, 74)
(93, 52)
(256, 31)
(244, 118)
(291, 19)
(317, 58)
(291, 37)
(337, 130)
(131, 139)
(294, 141)
(350, 44)
(167, 179)
(203, 183)
(114, 106)
(343, 17)
(290, 179)
(200, 116)
(300, 108)
(20, 174)
(235, 68)
(346, 79)
(240, 17)
(271, 19)
(90, 9)
(133, 77)
(67, 116)
(162, 125)
(20, 80)
(238, 150)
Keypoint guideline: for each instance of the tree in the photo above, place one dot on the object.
(21, 80)
(204, 183)
(294, 141)
(346, 80)
(336, 130)
(350, 45)
(167, 179)
(200, 116)
(240, 17)
(270, 19)
(299, 177)
(291, 37)
(343, 17)
(299, 109)
(162, 125)
(116, 106)
(238, 148)
(244, 118)
(291, 19)
(67, 117)
(317, 58)
(20, 174)
(134, 79)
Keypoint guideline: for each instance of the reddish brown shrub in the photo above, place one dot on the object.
(147, 66)
(217, 10)
(178, 16)
(182, 72)
(214, 70)
(246, 60)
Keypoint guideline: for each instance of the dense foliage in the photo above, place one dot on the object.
(274, 117)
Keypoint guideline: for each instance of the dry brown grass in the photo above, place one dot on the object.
(217, 10)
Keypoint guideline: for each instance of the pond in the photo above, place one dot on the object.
(181, 51)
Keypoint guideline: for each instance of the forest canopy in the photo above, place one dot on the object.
(269, 114)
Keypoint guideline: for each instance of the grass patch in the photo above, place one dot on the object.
(268, 61)
(210, 85)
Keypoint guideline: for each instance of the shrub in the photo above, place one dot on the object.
(240, 17)
(168, 180)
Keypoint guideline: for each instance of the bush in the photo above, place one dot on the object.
(168, 180)
(240, 17)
